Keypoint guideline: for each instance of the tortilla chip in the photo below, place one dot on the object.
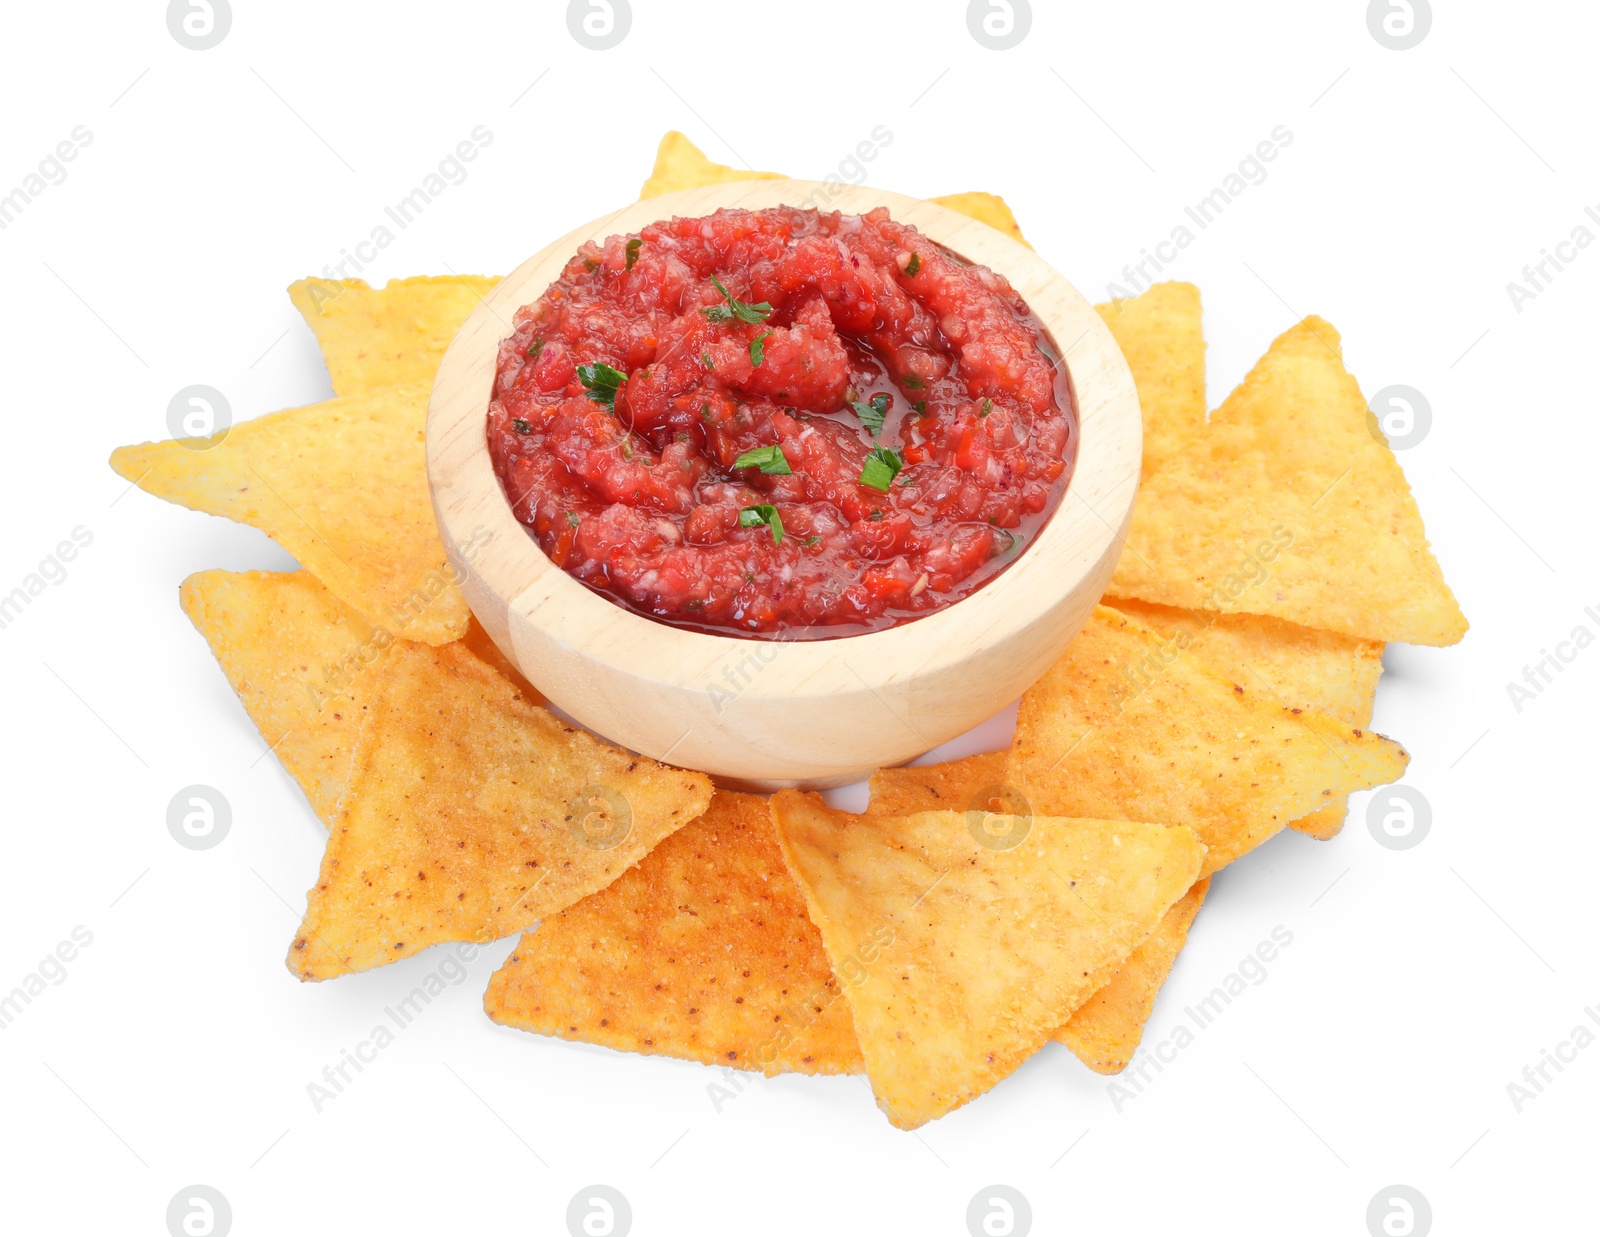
(1291, 504)
(1128, 725)
(483, 647)
(302, 663)
(949, 787)
(1106, 1030)
(703, 952)
(1300, 667)
(959, 960)
(986, 208)
(680, 164)
(380, 337)
(1159, 334)
(469, 813)
(341, 485)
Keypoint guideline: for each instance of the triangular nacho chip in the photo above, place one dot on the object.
(302, 663)
(1128, 725)
(1107, 1028)
(382, 337)
(955, 786)
(703, 952)
(1159, 334)
(469, 813)
(986, 208)
(341, 485)
(1291, 504)
(680, 164)
(1300, 667)
(960, 959)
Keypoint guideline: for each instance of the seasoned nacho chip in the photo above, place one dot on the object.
(482, 645)
(680, 164)
(951, 787)
(986, 208)
(470, 813)
(341, 485)
(302, 663)
(1127, 724)
(703, 951)
(1159, 334)
(958, 958)
(381, 337)
(1300, 667)
(1291, 504)
(1106, 1030)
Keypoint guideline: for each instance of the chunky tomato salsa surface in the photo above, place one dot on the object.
(780, 422)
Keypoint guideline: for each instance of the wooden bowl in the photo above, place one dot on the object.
(763, 713)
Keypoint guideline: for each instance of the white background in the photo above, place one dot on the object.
(1419, 983)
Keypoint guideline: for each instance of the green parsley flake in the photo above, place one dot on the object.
(521, 426)
(572, 518)
(913, 266)
(881, 467)
(764, 513)
(872, 412)
(812, 540)
(988, 407)
(912, 383)
(734, 308)
(632, 248)
(757, 352)
(770, 460)
(535, 348)
(602, 382)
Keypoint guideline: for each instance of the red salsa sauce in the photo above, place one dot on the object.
(780, 422)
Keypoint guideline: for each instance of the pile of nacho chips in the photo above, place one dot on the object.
(977, 909)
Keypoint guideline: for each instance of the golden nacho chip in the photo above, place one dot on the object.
(960, 959)
(482, 645)
(341, 485)
(1291, 504)
(1106, 1030)
(1159, 334)
(381, 337)
(954, 786)
(703, 952)
(469, 813)
(1126, 724)
(1300, 667)
(302, 663)
(986, 208)
(680, 164)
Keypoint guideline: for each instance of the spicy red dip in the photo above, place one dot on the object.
(780, 422)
